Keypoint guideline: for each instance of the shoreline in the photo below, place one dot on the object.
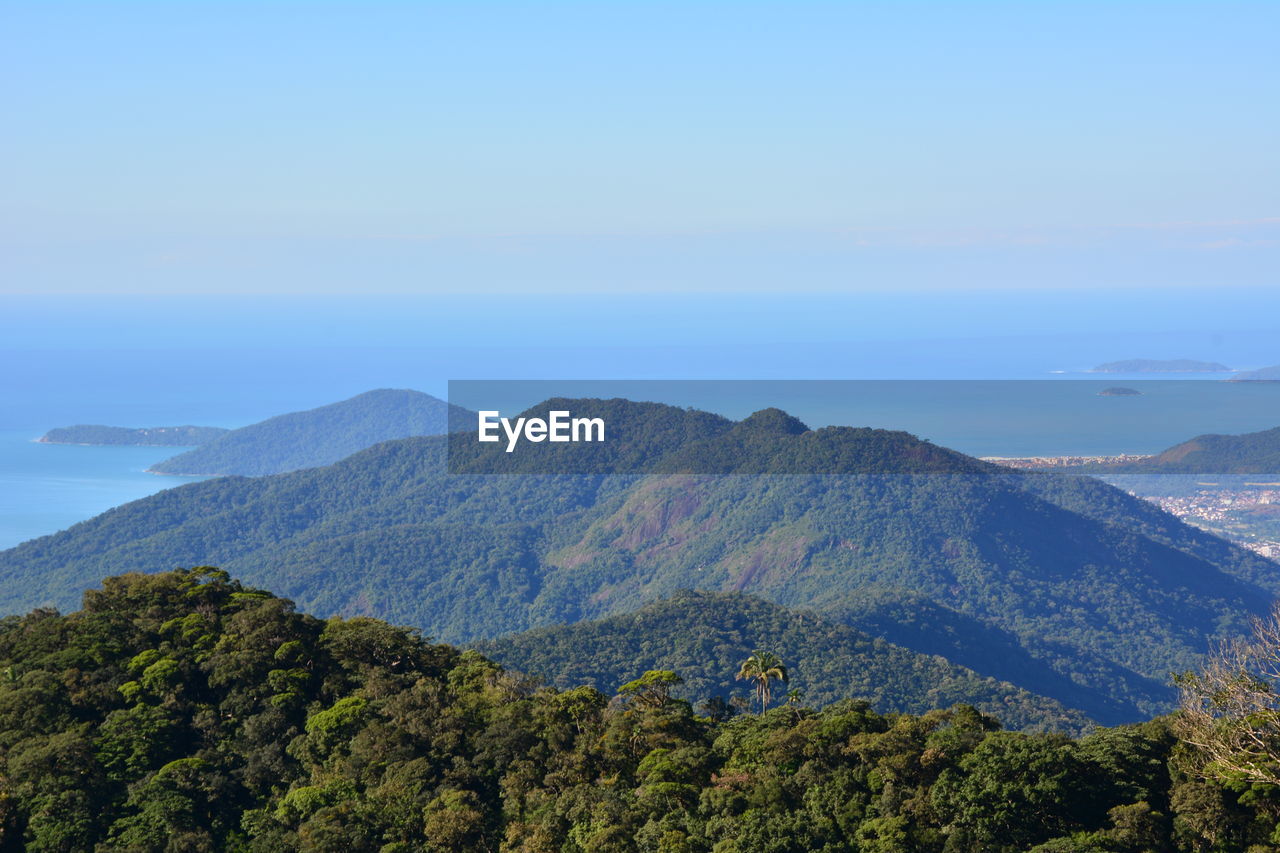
(43, 440)
(176, 474)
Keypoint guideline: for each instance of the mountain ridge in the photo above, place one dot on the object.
(319, 436)
(704, 635)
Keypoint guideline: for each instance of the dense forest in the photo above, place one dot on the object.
(1060, 585)
(705, 635)
(176, 436)
(318, 436)
(186, 712)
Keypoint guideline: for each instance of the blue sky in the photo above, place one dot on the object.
(420, 148)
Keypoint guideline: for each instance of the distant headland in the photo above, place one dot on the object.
(1265, 374)
(97, 434)
(1151, 365)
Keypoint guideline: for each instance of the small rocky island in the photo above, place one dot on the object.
(97, 434)
(1119, 392)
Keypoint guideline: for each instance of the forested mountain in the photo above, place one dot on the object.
(704, 636)
(1062, 585)
(185, 712)
(318, 436)
(179, 436)
(1251, 453)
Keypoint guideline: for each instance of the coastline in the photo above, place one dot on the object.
(43, 440)
(176, 474)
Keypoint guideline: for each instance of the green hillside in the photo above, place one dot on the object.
(179, 436)
(1097, 594)
(186, 712)
(704, 636)
(1251, 453)
(318, 436)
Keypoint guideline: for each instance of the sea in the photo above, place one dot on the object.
(985, 375)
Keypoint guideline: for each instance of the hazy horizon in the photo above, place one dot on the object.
(576, 147)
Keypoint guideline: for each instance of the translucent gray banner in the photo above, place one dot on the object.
(1092, 426)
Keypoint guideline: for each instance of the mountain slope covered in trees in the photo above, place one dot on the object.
(1250, 453)
(1098, 595)
(183, 711)
(704, 636)
(318, 436)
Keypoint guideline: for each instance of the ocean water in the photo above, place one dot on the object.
(48, 487)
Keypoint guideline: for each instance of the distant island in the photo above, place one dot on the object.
(1150, 365)
(1265, 374)
(97, 434)
(1119, 392)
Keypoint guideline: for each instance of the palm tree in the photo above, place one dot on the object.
(794, 697)
(761, 668)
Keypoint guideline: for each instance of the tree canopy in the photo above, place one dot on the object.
(185, 711)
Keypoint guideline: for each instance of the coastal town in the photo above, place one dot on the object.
(1033, 463)
(1046, 463)
(1248, 516)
